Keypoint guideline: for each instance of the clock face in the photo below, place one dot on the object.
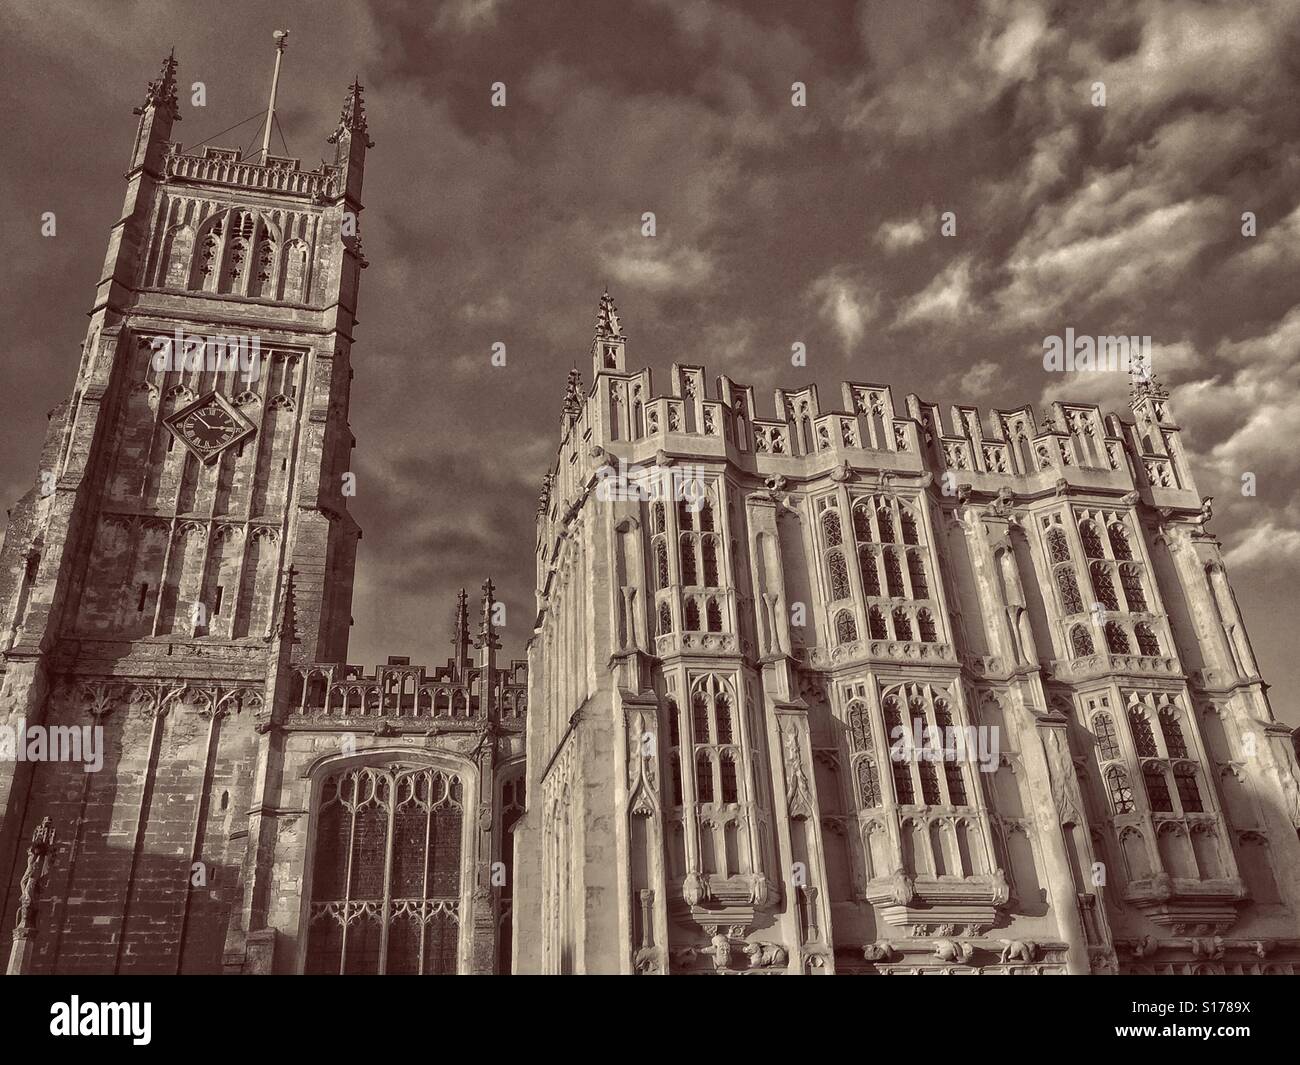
(209, 425)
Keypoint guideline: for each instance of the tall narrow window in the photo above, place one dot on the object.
(703, 777)
(916, 571)
(709, 547)
(868, 783)
(1103, 587)
(876, 624)
(1119, 546)
(1107, 742)
(839, 576)
(1071, 602)
(908, 521)
(1172, 732)
(1148, 645)
(1130, 579)
(846, 629)
(1081, 641)
(1121, 792)
(700, 716)
(870, 576)
(893, 573)
(1116, 639)
(1157, 788)
(1143, 738)
(831, 528)
(386, 874)
(1058, 548)
(902, 625)
(1189, 794)
(688, 560)
(728, 773)
(925, 623)
(1091, 540)
(885, 519)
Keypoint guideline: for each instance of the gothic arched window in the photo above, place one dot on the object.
(1058, 548)
(859, 727)
(665, 619)
(661, 562)
(862, 523)
(728, 773)
(722, 712)
(1071, 601)
(1148, 645)
(868, 783)
(1189, 793)
(1121, 792)
(870, 576)
(1103, 726)
(908, 521)
(1103, 587)
(1091, 540)
(925, 623)
(703, 777)
(1172, 732)
(688, 560)
(1119, 546)
(1143, 738)
(658, 519)
(1130, 579)
(1081, 641)
(885, 519)
(831, 528)
(893, 573)
(700, 717)
(706, 516)
(876, 624)
(916, 571)
(1116, 639)
(386, 872)
(713, 613)
(1153, 776)
(839, 576)
(692, 616)
(709, 547)
(846, 629)
(902, 624)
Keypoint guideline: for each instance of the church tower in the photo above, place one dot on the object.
(187, 541)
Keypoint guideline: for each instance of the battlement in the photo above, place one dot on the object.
(227, 167)
(400, 690)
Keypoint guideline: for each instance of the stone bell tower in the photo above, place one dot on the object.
(187, 539)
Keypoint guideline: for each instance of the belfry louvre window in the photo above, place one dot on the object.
(386, 875)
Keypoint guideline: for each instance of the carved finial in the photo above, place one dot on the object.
(353, 119)
(1142, 381)
(573, 393)
(608, 326)
(487, 636)
(162, 90)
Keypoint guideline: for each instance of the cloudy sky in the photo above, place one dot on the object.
(776, 224)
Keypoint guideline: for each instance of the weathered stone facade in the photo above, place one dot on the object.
(714, 776)
(181, 576)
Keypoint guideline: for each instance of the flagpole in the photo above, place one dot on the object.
(280, 37)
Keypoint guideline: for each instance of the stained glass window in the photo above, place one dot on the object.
(386, 873)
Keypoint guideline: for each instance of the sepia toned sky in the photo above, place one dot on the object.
(775, 224)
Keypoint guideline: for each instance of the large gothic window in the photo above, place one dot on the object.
(386, 873)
